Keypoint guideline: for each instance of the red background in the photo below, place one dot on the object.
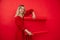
(43, 8)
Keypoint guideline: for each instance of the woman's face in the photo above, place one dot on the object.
(22, 10)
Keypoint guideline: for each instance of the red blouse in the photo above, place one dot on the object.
(28, 12)
(20, 21)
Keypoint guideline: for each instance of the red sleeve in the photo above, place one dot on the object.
(19, 23)
(29, 12)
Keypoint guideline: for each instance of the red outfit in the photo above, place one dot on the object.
(28, 12)
(20, 23)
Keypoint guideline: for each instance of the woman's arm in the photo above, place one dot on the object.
(28, 32)
(33, 15)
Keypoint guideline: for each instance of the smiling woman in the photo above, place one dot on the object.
(19, 19)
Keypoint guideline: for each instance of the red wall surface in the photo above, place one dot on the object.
(43, 8)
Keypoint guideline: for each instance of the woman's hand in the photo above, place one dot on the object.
(28, 32)
(33, 15)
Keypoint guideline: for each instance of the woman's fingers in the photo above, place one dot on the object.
(28, 32)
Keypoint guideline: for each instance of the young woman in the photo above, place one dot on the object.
(19, 18)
